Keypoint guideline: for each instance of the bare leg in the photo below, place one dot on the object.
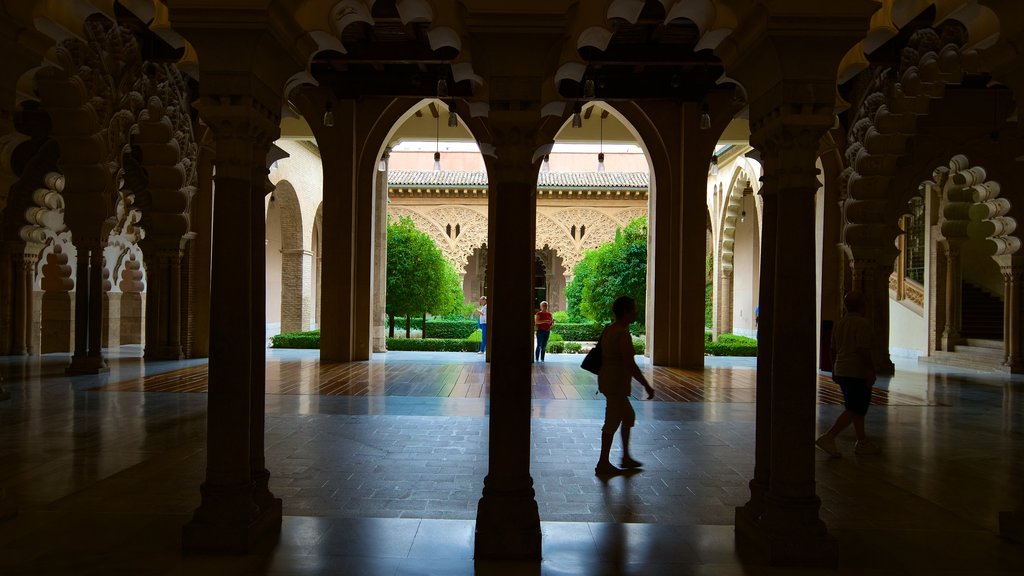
(858, 426)
(625, 442)
(606, 445)
(842, 422)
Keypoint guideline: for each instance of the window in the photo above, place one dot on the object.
(913, 247)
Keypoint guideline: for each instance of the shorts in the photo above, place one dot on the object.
(618, 410)
(856, 394)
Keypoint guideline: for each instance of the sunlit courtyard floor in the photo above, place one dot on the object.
(381, 463)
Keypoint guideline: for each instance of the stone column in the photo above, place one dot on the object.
(870, 275)
(679, 228)
(380, 259)
(88, 357)
(202, 224)
(240, 100)
(508, 522)
(1012, 293)
(725, 302)
(163, 298)
(295, 289)
(338, 151)
(748, 515)
(951, 333)
(24, 266)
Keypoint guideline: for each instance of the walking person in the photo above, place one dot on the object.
(543, 321)
(481, 323)
(854, 370)
(614, 380)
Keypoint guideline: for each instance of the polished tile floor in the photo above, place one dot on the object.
(380, 466)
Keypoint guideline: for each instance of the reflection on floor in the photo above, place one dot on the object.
(102, 471)
(438, 376)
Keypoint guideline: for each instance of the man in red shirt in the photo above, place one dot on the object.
(543, 321)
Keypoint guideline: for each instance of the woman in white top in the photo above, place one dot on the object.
(481, 313)
(614, 380)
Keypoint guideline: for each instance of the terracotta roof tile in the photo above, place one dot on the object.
(548, 180)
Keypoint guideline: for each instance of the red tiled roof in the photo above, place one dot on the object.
(548, 180)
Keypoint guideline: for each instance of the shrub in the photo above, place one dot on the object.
(731, 345)
(639, 345)
(310, 340)
(708, 305)
(637, 328)
(477, 336)
(556, 347)
(555, 338)
(450, 328)
(560, 316)
(432, 344)
(583, 331)
(573, 347)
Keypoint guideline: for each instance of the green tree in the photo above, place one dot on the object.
(420, 279)
(618, 268)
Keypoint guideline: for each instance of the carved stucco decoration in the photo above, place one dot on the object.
(971, 208)
(883, 125)
(125, 93)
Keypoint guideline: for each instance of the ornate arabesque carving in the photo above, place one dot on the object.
(884, 123)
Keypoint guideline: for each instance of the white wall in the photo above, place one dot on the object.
(908, 332)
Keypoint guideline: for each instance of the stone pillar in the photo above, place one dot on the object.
(24, 267)
(295, 289)
(748, 515)
(240, 100)
(951, 333)
(788, 117)
(790, 526)
(88, 356)
(349, 153)
(202, 225)
(508, 522)
(725, 302)
(338, 151)
(1012, 317)
(679, 228)
(380, 259)
(870, 275)
(163, 298)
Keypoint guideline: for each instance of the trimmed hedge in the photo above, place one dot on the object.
(450, 328)
(731, 345)
(582, 331)
(555, 338)
(433, 344)
(564, 347)
(477, 336)
(309, 340)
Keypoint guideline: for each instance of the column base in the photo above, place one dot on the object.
(806, 546)
(886, 367)
(81, 365)
(1011, 525)
(507, 528)
(227, 522)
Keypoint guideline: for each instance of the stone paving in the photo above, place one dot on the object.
(118, 473)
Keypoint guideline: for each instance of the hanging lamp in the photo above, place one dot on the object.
(600, 153)
(437, 141)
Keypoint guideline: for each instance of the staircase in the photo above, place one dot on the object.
(981, 331)
(982, 314)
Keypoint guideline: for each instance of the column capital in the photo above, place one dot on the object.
(798, 42)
